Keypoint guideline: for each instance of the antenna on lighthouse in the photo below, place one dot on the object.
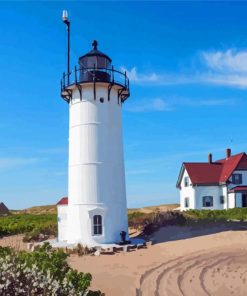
(65, 18)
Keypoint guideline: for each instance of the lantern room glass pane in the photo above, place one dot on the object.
(102, 62)
(89, 62)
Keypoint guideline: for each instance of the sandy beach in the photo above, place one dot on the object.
(188, 261)
(184, 261)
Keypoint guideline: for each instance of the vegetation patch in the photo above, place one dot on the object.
(32, 225)
(42, 272)
(151, 222)
(38, 227)
(218, 215)
(49, 209)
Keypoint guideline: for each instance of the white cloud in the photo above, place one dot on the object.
(153, 78)
(226, 79)
(170, 104)
(134, 76)
(15, 162)
(230, 60)
(211, 102)
(148, 105)
(226, 68)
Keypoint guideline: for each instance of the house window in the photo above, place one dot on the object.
(97, 225)
(222, 199)
(186, 202)
(207, 201)
(186, 181)
(237, 178)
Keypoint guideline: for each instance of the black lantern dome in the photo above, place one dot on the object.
(95, 57)
(95, 67)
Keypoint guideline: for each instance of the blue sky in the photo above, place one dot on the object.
(187, 62)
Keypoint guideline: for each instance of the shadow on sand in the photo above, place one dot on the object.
(174, 233)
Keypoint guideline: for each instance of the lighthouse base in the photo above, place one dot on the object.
(55, 243)
(92, 225)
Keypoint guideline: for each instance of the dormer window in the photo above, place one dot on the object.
(237, 179)
(186, 181)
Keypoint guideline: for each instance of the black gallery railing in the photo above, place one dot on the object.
(86, 75)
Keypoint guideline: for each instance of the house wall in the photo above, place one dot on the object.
(231, 200)
(62, 213)
(215, 191)
(226, 198)
(235, 199)
(244, 179)
(196, 193)
(187, 192)
(238, 197)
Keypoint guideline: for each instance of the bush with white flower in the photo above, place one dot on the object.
(43, 272)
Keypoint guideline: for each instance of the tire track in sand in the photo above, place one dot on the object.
(148, 281)
(183, 276)
(173, 281)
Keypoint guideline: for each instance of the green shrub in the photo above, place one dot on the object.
(43, 272)
(32, 225)
(136, 219)
(150, 222)
(218, 215)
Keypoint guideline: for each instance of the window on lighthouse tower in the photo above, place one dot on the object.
(97, 225)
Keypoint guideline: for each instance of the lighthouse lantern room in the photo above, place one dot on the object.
(95, 211)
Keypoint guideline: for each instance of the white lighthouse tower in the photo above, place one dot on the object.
(95, 212)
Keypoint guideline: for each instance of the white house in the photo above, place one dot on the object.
(220, 184)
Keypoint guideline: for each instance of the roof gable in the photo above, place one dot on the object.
(205, 173)
(63, 201)
(3, 209)
(229, 165)
(181, 173)
(242, 165)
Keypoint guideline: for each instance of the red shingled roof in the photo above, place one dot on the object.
(201, 173)
(63, 201)
(243, 163)
(229, 165)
